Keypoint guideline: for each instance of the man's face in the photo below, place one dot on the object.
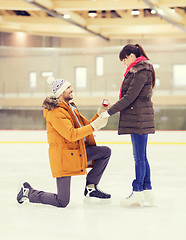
(67, 95)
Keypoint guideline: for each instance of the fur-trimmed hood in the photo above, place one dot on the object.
(50, 103)
(143, 65)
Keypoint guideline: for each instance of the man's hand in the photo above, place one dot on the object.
(105, 115)
(99, 123)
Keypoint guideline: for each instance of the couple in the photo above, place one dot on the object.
(72, 147)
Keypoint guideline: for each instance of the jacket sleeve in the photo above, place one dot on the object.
(86, 121)
(64, 126)
(136, 85)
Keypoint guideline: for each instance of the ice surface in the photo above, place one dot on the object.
(24, 157)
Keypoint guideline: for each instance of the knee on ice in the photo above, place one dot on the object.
(63, 204)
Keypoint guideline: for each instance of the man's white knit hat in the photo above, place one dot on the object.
(58, 86)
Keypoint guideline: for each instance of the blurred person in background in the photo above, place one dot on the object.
(72, 148)
(136, 118)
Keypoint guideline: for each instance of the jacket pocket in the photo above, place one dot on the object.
(72, 161)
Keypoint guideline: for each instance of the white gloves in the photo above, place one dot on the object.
(103, 108)
(99, 123)
(105, 115)
(102, 120)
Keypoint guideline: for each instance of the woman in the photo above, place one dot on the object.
(136, 117)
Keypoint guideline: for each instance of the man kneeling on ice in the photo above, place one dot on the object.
(71, 146)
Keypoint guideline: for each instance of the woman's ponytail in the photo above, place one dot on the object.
(141, 52)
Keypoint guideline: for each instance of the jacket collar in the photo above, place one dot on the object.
(143, 65)
(65, 105)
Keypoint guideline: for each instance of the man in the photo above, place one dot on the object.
(71, 146)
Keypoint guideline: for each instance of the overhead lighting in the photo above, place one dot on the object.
(66, 16)
(135, 12)
(153, 11)
(92, 14)
(161, 11)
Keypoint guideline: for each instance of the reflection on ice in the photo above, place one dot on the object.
(29, 162)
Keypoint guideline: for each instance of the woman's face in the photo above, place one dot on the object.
(129, 59)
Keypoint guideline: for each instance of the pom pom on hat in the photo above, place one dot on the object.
(58, 86)
(50, 80)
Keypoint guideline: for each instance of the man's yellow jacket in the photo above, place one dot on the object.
(67, 151)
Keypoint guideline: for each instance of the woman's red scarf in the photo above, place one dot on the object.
(139, 59)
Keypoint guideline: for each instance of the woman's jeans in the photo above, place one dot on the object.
(142, 168)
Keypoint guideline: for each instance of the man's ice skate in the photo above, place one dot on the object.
(93, 194)
(149, 197)
(136, 199)
(22, 196)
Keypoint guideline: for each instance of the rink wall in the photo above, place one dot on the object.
(24, 70)
(166, 118)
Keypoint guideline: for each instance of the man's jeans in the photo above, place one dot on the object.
(142, 168)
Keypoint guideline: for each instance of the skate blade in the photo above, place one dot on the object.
(96, 201)
(125, 205)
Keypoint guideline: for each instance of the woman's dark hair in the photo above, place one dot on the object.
(138, 51)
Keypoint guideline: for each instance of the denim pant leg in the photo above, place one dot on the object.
(147, 179)
(61, 199)
(101, 155)
(142, 168)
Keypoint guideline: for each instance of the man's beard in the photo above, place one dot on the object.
(67, 99)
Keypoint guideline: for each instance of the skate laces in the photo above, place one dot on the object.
(94, 191)
(129, 196)
(25, 192)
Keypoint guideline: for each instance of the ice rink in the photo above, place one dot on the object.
(24, 157)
